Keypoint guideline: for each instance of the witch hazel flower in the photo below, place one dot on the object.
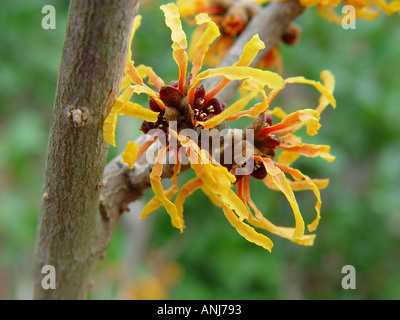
(232, 17)
(186, 105)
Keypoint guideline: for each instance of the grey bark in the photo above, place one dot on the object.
(72, 234)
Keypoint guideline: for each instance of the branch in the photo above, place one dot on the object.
(270, 24)
(122, 185)
(72, 235)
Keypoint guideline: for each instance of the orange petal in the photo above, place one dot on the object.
(133, 74)
(310, 150)
(218, 51)
(291, 139)
(293, 122)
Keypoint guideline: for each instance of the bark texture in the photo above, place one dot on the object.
(72, 234)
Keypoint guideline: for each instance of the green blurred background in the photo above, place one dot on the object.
(360, 223)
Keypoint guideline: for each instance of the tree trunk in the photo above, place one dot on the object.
(72, 234)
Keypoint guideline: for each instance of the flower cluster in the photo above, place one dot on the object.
(232, 17)
(365, 9)
(186, 104)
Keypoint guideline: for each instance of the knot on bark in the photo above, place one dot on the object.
(78, 116)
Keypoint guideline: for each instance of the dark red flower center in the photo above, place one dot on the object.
(174, 99)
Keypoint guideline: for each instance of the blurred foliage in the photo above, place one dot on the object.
(361, 208)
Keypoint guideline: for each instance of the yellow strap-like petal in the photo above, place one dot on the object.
(298, 185)
(136, 24)
(137, 111)
(262, 77)
(250, 51)
(296, 174)
(278, 112)
(388, 8)
(109, 127)
(229, 112)
(329, 83)
(139, 89)
(215, 199)
(217, 178)
(155, 203)
(287, 233)
(288, 157)
(366, 13)
(154, 79)
(192, 7)
(126, 81)
(130, 153)
(259, 221)
(247, 231)
(110, 123)
(232, 201)
(258, 108)
(279, 179)
(186, 191)
(155, 180)
(179, 46)
(318, 85)
(201, 47)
